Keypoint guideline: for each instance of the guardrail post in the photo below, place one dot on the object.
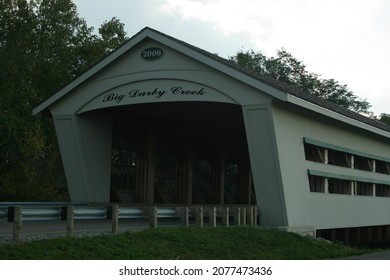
(225, 216)
(114, 216)
(17, 219)
(199, 216)
(69, 221)
(237, 216)
(213, 216)
(185, 212)
(153, 217)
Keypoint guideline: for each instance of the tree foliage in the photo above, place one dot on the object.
(286, 68)
(385, 118)
(43, 45)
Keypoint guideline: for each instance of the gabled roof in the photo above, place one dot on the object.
(277, 89)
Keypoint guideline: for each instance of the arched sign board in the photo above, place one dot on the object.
(156, 91)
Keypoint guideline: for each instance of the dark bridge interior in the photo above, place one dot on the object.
(180, 153)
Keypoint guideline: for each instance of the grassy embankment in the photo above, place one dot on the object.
(242, 243)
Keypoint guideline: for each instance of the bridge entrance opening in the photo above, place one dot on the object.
(180, 153)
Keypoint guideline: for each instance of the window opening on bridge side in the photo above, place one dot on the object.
(382, 190)
(382, 167)
(339, 186)
(314, 153)
(339, 158)
(363, 163)
(317, 183)
(364, 188)
(342, 158)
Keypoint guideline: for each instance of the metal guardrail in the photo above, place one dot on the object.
(43, 211)
(17, 213)
(53, 211)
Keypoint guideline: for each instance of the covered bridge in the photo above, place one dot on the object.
(159, 121)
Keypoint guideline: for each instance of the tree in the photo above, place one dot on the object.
(385, 118)
(286, 68)
(112, 34)
(43, 45)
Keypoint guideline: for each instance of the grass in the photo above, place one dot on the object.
(236, 243)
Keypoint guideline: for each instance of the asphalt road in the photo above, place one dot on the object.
(381, 255)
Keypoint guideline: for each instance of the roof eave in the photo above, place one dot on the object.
(336, 116)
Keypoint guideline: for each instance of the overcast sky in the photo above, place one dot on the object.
(347, 40)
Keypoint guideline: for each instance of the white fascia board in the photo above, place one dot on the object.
(334, 115)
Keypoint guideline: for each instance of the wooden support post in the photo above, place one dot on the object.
(185, 212)
(255, 215)
(369, 234)
(387, 234)
(237, 216)
(333, 234)
(346, 236)
(217, 173)
(243, 216)
(352, 236)
(249, 216)
(114, 217)
(245, 181)
(151, 159)
(199, 216)
(383, 234)
(358, 236)
(145, 168)
(213, 216)
(225, 216)
(153, 217)
(184, 156)
(377, 234)
(17, 229)
(69, 221)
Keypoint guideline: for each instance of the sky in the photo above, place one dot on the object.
(345, 40)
